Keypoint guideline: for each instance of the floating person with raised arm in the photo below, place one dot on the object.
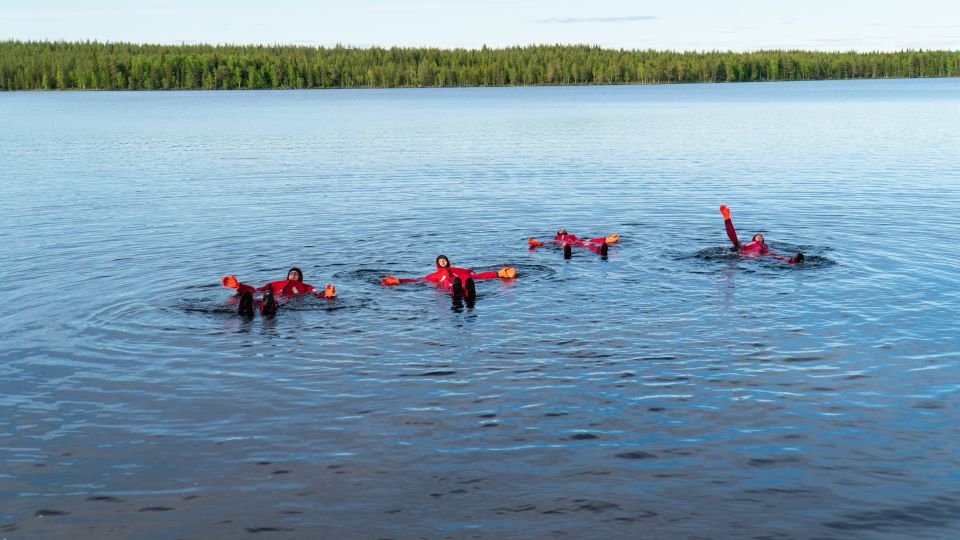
(459, 281)
(568, 241)
(757, 247)
(283, 290)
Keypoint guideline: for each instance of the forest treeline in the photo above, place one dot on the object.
(127, 66)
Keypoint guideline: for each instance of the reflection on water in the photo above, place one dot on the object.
(671, 390)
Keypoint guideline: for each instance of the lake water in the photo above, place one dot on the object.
(673, 390)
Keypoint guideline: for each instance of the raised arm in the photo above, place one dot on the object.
(731, 232)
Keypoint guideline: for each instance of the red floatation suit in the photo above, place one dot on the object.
(753, 249)
(285, 288)
(573, 240)
(444, 276)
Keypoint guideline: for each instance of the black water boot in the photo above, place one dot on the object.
(471, 291)
(269, 308)
(457, 290)
(603, 250)
(567, 251)
(245, 305)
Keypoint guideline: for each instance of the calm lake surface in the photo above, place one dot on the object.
(673, 390)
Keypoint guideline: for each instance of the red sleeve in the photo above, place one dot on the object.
(732, 233)
(600, 240)
(575, 240)
(484, 275)
(245, 288)
(307, 287)
(265, 287)
(433, 276)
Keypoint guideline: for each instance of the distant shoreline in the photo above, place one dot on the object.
(359, 88)
(126, 66)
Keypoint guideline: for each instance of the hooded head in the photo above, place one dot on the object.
(295, 274)
(442, 262)
(757, 238)
(561, 232)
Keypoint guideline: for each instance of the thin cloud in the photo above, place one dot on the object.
(573, 20)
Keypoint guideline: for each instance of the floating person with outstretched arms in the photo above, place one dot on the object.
(459, 281)
(283, 289)
(757, 247)
(568, 241)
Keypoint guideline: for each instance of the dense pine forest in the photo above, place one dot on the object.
(127, 66)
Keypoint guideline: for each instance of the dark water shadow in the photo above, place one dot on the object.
(938, 513)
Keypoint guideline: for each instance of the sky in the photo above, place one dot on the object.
(739, 25)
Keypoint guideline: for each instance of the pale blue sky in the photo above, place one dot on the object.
(676, 24)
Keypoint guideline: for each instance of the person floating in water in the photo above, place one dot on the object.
(568, 241)
(282, 290)
(459, 281)
(757, 247)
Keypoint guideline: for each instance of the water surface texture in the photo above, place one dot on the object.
(671, 391)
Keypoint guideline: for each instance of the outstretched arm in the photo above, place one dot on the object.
(507, 272)
(731, 232)
(534, 243)
(390, 280)
(231, 281)
(440, 276)
(306, 288)
(612, 239)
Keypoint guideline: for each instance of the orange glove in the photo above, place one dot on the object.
(230, 281)
(612, 239)
(389, 280)
(534, 243)
(329, 292)
(725, 211)
(507, 272)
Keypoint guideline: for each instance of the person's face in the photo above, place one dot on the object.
(443, 262)
(562, 232)
(758, 238)
(294, 276)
